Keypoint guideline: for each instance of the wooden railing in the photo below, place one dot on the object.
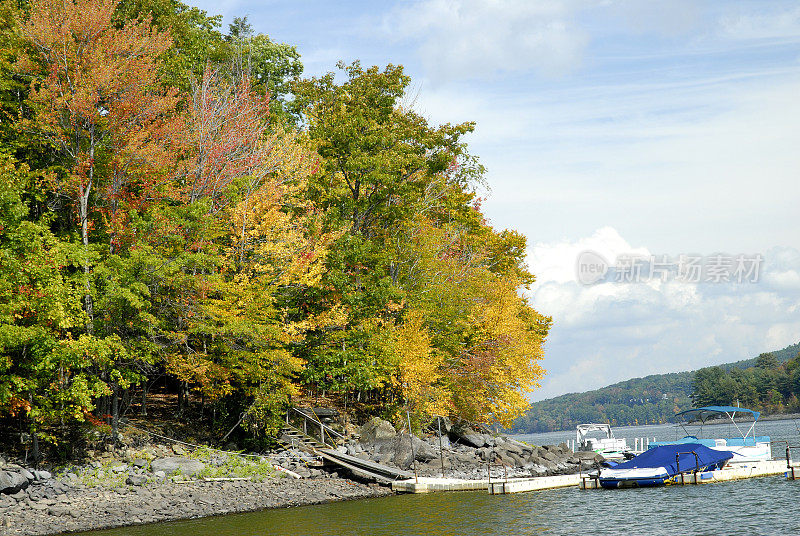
(312, 426)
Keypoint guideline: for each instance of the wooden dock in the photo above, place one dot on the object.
(364, 468)
(495, 486)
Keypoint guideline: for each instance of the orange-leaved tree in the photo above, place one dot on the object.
(96, 97)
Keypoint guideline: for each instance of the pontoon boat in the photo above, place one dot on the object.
(609, 447)
(746, 448)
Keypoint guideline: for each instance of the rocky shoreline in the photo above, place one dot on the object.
(155, 482)
(53, 506)
(462, 452)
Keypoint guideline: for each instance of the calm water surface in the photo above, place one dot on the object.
(756, 506)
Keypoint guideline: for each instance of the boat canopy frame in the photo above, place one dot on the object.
(704, 414)
(583, 429)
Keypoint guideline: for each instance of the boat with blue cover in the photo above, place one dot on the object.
(747, 448)
(661, 465)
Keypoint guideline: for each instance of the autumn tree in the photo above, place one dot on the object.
(42, 383)
(418, 263)
(94, 90)
(377, 154)
(95, 96)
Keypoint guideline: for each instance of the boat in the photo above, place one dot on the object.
(610, 447)
(746, 448)
(662, 465)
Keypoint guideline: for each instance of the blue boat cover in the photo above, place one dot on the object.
(707, 412)
(664, 456)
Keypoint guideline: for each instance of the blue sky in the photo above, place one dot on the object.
(615, 126)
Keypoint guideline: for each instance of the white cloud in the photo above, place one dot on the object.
(675, 17)
(610, 331)
(762, 24)
(473, 38)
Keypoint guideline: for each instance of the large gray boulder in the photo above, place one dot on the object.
(471, 438)
(12, 482)
(405, 453)
(423, 451)
(517, 447)
(376, 430)
(174, 464)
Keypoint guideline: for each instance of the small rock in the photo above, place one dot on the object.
(136, 480)
(139, 463)
(58, 510)
(27, 474)
(119, 468)
(42, 475)
(179, 450)
(160, 475)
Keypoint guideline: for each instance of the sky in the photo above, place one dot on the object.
(618, 127)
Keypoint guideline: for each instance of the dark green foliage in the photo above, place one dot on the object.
(772, 387)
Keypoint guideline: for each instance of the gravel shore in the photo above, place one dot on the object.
(53, 509)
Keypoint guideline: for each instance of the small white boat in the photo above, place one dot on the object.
(747, 448)
(610, 447)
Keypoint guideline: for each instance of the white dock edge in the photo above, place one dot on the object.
(494, 487)
(426, 484)
(519, 485)
(736, 471)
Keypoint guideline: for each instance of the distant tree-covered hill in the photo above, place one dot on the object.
(650, 400)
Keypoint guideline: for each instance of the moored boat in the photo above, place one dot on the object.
(610, 447)
(747, 448)
(661, 465)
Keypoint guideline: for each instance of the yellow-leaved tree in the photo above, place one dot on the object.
(488, 341)
(272, 249)
(419, 367)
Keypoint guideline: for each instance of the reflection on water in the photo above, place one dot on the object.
(755, 506)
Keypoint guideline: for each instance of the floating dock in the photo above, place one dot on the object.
(738, 471)
(519, 485)
(426, 484)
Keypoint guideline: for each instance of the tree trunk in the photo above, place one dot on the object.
(181, 397)
(115, 415)
(83, 194)
(143, 410)
(35, 446)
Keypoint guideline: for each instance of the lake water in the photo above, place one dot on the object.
(747, 507)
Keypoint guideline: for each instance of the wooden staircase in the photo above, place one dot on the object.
(291, 437)
(297, 433)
